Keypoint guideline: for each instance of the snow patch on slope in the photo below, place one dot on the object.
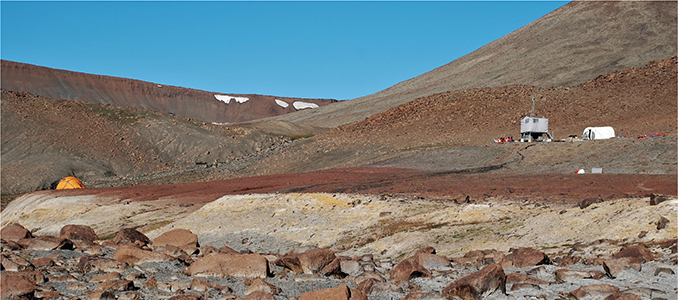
(303, 105)
(283, 104)
(227, 99)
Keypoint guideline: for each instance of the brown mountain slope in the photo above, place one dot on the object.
(571, 45)
(453, 131)
(189, 103)
(44, 140)
(449, 132)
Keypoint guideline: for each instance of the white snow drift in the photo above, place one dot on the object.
(227, 99)
(299, 105)
(283, 104)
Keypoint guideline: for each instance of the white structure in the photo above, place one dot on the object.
(532, 128)
(598, 133)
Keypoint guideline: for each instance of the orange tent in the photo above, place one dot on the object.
(70, 182)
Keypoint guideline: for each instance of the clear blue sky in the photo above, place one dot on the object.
(339, 50)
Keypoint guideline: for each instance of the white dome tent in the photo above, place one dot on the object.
(598, 133)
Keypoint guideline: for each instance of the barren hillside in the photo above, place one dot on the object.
(569, 46)
(453, 131)
(188, 103)
(44, 140)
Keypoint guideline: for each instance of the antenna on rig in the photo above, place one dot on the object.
(532, 113)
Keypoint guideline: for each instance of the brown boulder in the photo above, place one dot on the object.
(87, 264)
(350, 267)
(425, 250)
(47, 243)
(62, 278)
(238, 265)
(14, 232)
(475, 285)
(181, 238)
(130, 296)
(514, 278)
(15, 286)
(43, 262)
(661, 224)
(527, 257)
(366, 285)
(623, 296)
(408, 269)
(131, 236)
(185, 297)
(433, 262)
(635, 251)
(173, 251)
(657, 198)
(228, 250)
(259, 285)
(291, 262)
(132, 255)
(105, 277)
(333, 268)
(341, 292)
(78, 233)
(116, 285)
(357, 295)
(310, 261)
(101, 295)
(522, 286)
(14, 263)
(565, 275)
(259, 295)
(614, 267)
(200, 285)
(313, 261)
(593, 291)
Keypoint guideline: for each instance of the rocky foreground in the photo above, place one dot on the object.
(78, 265)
